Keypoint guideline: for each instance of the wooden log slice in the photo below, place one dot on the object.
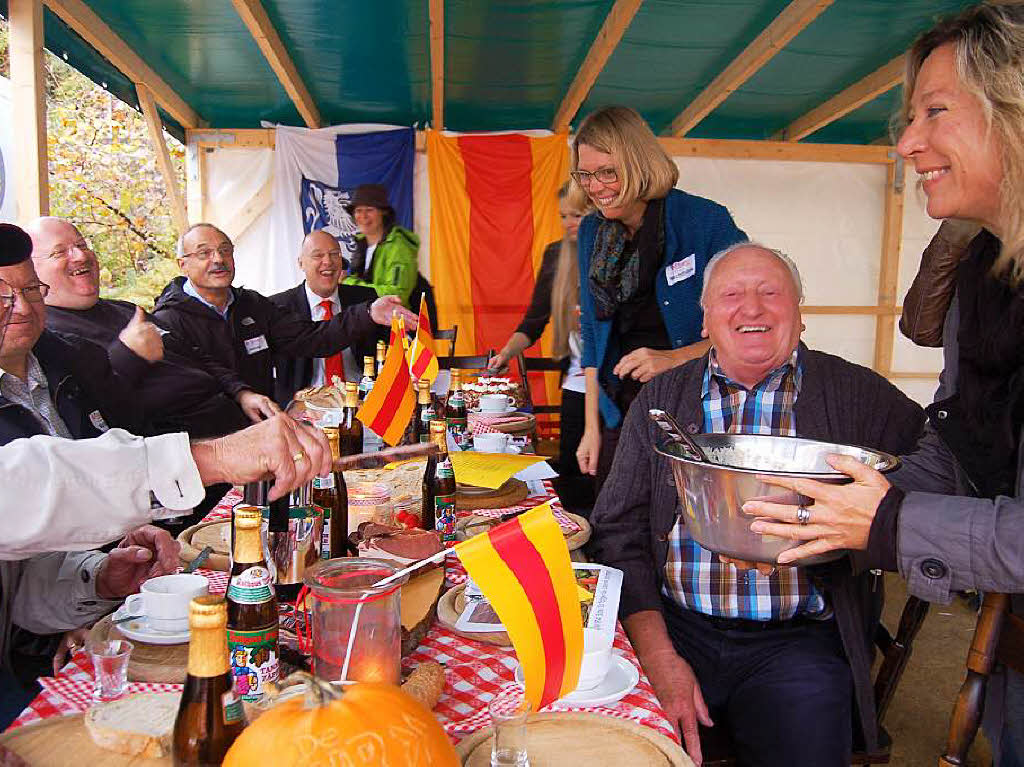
(63, 741)
(450, 607)
(469, 526)
(591, 739)
(216, 534)
(148, 662)
(419, 607)
(470, 497)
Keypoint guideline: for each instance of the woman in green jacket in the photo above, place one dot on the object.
(386, 254)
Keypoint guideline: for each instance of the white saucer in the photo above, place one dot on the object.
(620, 680)
(506, 411)
(140, 630)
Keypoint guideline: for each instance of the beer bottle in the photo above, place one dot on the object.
(372, 442)
(331, 495)
(424, 413)
(381, 350)
(350, 442)
(210, 715)
(366, 384)
(252, 610)
(455, 411)
(439, 488)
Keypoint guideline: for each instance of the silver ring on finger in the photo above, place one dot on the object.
(803, 515)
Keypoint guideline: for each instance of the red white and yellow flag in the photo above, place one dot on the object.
(422, 359)
(523, 568)
(389, 406)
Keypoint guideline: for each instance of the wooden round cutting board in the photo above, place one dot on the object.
(63, 741)
(451, 605)
(470, 497)
(469, 526)
(592, 739)
(148, 662)
(216, 534)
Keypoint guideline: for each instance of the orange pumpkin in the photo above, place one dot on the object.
(367, 724)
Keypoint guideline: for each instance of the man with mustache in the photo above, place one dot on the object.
(320, 297)
(244, 329)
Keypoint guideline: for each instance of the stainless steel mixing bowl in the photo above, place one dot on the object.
(712, 494)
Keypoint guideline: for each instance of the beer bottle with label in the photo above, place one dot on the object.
(210, 715)
(331, 495)
(252, 610)
(455, 411)
(381, 351)
(424, 413)
(372, 443)
(366, 383)
(439, 488)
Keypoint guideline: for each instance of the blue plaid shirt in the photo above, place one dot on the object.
(694, 577)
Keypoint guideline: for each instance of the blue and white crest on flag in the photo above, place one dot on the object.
(323, 207)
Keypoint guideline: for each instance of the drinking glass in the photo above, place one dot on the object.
(509, 711)
(110, 668)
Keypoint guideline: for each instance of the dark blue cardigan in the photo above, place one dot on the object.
(693, 226)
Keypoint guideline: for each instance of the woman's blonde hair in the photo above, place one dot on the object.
(565, 288)
(646, 172)
(988, 47)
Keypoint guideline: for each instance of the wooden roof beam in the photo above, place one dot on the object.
(882, 80)
(776, 36)
(436, 11)
(256, 20)
(91, 28)
(615, 25)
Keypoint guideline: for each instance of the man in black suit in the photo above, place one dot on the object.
(320, 297)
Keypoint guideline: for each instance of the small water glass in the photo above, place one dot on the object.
(110, 668)
(509, 711)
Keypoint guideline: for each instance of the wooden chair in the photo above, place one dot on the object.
(465, 361)
(450, 335)
(551, 413)
(998, 638)
(718, 749)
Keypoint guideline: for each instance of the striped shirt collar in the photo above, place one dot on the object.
(774, 376)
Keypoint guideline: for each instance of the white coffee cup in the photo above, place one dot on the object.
(597, 659)
(490, 442)
(494, 403)
(164, 600)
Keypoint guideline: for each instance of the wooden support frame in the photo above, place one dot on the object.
(787, 25)
(91, 28)
(615, 25)
(882, 80)
(163, 156)
(256, 20)
(889, 267)
(29, 102)
(776, 150)
(436, 11)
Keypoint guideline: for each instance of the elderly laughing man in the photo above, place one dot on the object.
(781, 659)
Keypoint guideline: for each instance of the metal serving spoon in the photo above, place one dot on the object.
(675, 432)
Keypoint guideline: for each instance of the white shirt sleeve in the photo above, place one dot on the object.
(71, 495)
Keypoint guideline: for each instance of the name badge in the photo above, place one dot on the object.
(97, 421)
(682, 269)
(257, 344)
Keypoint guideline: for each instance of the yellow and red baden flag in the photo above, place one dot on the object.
(389, 406)
(523, 568)
(422, 360)
(493, 211)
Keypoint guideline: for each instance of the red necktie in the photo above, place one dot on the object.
(332, 364)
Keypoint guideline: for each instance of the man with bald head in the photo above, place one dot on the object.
(245, 329)
(779, 658)
(319, 298)
(178, 388)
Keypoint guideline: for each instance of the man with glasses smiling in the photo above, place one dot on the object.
(244, 329)
(319, 298)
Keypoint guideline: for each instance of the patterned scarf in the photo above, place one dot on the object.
(616, 274)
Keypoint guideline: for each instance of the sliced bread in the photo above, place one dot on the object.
(139, 725)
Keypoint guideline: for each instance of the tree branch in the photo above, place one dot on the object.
(132, 228)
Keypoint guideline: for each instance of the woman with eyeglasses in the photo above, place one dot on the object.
(642, 256)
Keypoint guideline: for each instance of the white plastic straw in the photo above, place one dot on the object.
(439, 556)
(352, 638)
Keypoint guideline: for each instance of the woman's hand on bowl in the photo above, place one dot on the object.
(840, 517)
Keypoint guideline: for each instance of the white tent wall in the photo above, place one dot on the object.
(827, 216)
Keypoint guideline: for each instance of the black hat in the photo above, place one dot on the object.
(15, 245)
(374, 195)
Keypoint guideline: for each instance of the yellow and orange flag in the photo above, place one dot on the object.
(422, 360)
(389, 406)
(522, 566)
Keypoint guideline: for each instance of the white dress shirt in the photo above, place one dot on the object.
(353, 368)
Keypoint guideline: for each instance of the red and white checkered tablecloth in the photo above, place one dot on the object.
(474, 671)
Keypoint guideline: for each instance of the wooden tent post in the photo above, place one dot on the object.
(163, 156)
(889, 267)
(27, 77)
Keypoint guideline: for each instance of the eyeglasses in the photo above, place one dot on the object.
(227, 250)
(34, 294)
(602, 175)
(63, 251)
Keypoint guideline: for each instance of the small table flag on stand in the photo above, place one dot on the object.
(422, 360)
(390, 404)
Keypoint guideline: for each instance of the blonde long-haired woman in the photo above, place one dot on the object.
(556, 298)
